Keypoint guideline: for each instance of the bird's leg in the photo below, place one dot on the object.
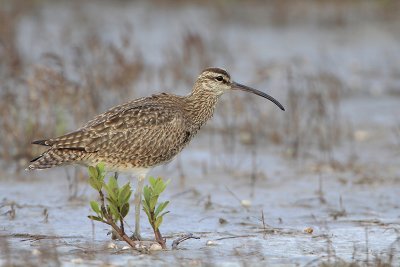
(114, 234)
(138, 201)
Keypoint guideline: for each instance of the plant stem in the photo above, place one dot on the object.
(160, 240)
(111, 222)
(122, 225)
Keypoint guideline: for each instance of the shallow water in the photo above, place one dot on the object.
(353, 209)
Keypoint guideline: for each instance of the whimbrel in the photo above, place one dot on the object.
(143, 133)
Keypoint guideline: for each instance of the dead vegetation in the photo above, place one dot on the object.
(314, 117)
(56, 94)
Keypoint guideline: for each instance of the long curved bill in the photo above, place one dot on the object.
(238, 86)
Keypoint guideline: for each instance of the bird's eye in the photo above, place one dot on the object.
(219, 78)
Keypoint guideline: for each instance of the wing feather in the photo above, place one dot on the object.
(136, 125)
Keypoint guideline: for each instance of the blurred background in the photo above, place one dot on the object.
(329, 162)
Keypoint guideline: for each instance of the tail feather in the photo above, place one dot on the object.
(41, 142)
(35, 159)
(56, 157)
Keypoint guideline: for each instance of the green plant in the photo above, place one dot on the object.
(113, 207)
(154, 212)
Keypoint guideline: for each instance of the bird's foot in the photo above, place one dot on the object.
(136, 237)
(114, 235)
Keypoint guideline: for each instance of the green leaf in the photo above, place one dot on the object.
(146, 210)
(158, 222)
(111, 192)
(112, 183)
(158, 188)
(106, 188)
(96, 184)
(152, 181)
(146, 193)
(95, 218)
(95, 206)
(93, 183)
(112, 202)
(128, 197)
(124, 210)
(101, 167)
(114, 211)
(162, 214)
(93, 172)
(161, 207)
(165, 185)
(101, 178)
(124, 194)
(145, 204)
(153, 202)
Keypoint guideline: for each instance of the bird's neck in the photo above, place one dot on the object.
(200, 106)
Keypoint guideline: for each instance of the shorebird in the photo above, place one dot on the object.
(144, 133)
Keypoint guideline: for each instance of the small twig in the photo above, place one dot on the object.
(366, 245)
(110, 222)
(233, 194)
(320, 191)
(179, 194)
(122, 225)
(263, 222)
(236, 197)
(46, 215)
(183, 238)
(235, 236)
(37, 237)
(253, 175)
(93, 230)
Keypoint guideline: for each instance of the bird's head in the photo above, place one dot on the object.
(217, 81)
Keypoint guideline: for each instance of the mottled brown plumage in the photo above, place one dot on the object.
(143, 133)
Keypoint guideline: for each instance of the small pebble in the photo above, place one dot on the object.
(211, 243)
(77, 261)
(155, 247)
(112, 245)
(36, 252)
(361, 135)
(308, 230)
(245, 203)
(222, 221)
